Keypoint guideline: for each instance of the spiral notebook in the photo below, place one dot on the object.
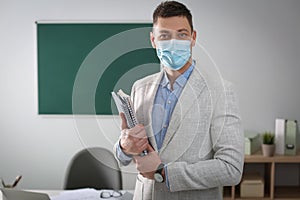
(124, 105)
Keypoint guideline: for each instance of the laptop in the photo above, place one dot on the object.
(13, 194)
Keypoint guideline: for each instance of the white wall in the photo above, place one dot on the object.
(256, 45)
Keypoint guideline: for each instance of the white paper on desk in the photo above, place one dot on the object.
(79, 194)
(89, 194)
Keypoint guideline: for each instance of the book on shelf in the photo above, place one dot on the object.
(292, 139)
(287, 138)
(280, 136)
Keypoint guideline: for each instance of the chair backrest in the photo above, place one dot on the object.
(93, 168)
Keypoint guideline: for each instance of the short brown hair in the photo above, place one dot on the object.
(172, 9)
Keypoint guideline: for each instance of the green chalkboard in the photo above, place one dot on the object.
(80, 64)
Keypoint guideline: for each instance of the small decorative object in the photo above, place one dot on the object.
(18, 178)
(268, 146)
(252, 185)
(252, 142)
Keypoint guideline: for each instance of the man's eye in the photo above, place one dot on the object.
(182, 35)
(164, 37)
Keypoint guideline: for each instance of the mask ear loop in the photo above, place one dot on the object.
(161, 66)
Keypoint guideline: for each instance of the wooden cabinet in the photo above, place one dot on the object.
(271, 191)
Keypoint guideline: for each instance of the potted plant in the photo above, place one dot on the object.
(268, 146)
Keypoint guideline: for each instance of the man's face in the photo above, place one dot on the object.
(169, 28)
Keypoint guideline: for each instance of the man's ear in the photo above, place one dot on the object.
(194, 36)
(152, 40)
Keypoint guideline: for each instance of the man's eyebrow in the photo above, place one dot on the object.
(164, 31)
(169, 31)
(183, 30)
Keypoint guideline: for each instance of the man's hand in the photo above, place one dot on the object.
(133, 141)
(147, 165)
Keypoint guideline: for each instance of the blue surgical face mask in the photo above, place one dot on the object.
(173, 54)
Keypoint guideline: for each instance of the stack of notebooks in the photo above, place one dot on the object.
(124, 105)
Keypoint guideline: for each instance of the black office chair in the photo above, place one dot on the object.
(93, 168)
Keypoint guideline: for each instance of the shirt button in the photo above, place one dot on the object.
(165, 126)
(169, 102)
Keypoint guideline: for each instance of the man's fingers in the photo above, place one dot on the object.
(141, 134)
(143, 142)
(149, 148)
(124, 122)
(137, 132)
(142, 145)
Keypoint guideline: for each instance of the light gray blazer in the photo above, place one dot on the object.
(204, 144)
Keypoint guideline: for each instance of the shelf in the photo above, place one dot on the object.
(271, 191)
(284, 192)
(254, 198)
(287, 159)
(259, 158)
(267, 196)
(227, 192)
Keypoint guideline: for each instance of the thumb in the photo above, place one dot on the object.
(124, 122)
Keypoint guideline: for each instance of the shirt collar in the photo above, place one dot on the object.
(181, 80)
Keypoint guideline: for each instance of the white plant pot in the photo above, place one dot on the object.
(268, 149)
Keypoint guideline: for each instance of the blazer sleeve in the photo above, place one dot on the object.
(226, 166)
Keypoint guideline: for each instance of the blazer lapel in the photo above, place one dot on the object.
(150, 93)
(186, 101)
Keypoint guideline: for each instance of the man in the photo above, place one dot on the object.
(189, 120)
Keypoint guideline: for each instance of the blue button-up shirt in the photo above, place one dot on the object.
(164, 104)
